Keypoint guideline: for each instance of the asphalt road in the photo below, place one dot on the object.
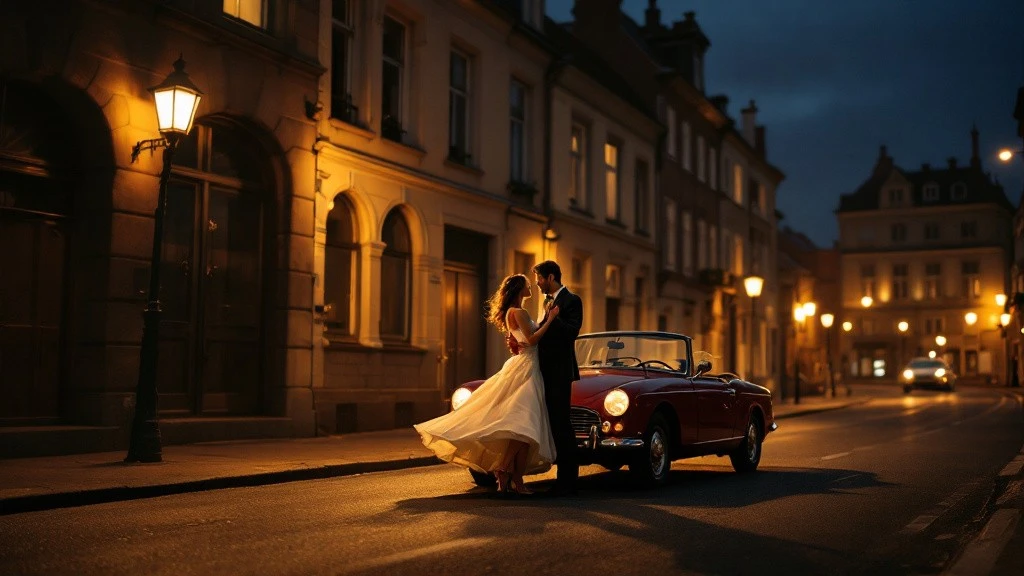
(895, 486)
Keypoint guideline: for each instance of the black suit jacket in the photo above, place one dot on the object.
(557, 348)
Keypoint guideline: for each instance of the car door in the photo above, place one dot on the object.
(716, 406)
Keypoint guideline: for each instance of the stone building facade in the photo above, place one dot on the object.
(927, 247)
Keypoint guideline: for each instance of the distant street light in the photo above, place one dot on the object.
(940, 340)
(1005, 155)
(810, 308)
(903, 326)
(1000, 300)
(867, 301)
(971, 318)
(753, 285)
(1004, 319)
(826, 321)
(847, 326)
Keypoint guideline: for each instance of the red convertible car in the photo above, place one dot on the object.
(643, 400)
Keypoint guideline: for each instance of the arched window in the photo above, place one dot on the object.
(340, 268)
(395, 278)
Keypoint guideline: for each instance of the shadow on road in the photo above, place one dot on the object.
(658, 517)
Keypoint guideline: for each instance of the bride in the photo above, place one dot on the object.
(503, 427)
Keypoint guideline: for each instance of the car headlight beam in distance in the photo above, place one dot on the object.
(616, 403)
(459, 397)
(908, 374)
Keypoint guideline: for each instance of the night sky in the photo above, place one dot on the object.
(835, 79)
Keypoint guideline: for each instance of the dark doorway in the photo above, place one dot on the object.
(465, 295)
(212, 278)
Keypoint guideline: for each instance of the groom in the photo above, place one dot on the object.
(557, 355)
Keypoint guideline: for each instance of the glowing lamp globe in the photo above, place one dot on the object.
(177, 100)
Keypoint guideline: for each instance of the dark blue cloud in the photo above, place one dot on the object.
(833, 80)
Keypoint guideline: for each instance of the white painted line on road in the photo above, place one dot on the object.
(1014, 467)
(834, 456)
(416, 553)
(923, 521)
(981, 554)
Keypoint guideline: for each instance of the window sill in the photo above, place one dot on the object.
(415, 150)
(465, 168)
(356, 129)
(615, 222)
(581, 211)
(401, 346)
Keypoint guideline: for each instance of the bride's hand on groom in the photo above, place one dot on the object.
(552, 313)
(512, 343)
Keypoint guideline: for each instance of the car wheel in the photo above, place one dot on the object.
(483, 479)
(747, 455)
(652, 464)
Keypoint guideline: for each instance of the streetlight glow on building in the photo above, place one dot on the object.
(867, 301)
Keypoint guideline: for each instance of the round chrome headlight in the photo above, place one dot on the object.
(460, 396)
(939, 373)
(908, 374)
(616, 403)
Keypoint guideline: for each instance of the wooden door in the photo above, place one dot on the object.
(32, 253)
(464, 329)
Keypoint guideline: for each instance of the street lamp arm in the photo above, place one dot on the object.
(151, 145)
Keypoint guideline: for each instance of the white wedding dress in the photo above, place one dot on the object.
(507, 406)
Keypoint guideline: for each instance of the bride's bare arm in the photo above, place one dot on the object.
(522, 318)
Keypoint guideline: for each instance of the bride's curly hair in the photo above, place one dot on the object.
(502, 299)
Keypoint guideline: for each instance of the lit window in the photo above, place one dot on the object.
(252, 11)
(611, 169)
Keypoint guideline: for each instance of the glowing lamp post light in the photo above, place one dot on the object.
(867, 301)
(753, 286)
(176, 100)
(1000, 300)
(903, 326)
(826, 322)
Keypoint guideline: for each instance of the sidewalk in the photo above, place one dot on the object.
(29, 484)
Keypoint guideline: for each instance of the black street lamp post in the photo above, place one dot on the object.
(826, 322)
(176, 99)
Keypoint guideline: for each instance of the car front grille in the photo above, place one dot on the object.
(582, 419)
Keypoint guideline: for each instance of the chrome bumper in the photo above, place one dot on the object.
(592, 442)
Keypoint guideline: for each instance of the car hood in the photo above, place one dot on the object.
(599, 382)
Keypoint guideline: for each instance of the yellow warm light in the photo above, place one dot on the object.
(177, 100)
(1000, 299)
(867, 301)
(753, 285)
(810, 308)
(827, 320)
(1005, 154)
(1004, 319)
(847, 326)
(971, 318)
(903, 326)
(798, 313)
(940, 340)
(931, 353)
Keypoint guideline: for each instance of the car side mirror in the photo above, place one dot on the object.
(702, 367)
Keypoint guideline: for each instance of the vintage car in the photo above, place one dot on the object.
(927, 373)
(643, 400)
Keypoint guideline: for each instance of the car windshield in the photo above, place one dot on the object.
(925, 363)
(633, 350)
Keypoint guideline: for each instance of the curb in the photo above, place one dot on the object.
(54, 500)
(39, 502)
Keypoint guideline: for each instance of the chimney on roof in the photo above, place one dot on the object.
(975, 159)
(884, 163)
(652, 16)
(952, 162)
(759, 141)
(749, 123)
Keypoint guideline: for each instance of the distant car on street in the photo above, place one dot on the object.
(927, 373)
(645, 399)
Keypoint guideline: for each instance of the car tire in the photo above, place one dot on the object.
(747, 455)
(483, 479)
(651, 465)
